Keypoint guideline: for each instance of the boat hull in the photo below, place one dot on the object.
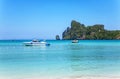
(36, 44)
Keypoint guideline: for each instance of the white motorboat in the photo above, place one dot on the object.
(36, 43)
(75, 41)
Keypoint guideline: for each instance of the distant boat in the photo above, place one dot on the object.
(75, 41)
(36, 43)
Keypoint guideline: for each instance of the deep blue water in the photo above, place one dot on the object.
(61, 58)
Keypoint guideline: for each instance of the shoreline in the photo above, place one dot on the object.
(69, 77)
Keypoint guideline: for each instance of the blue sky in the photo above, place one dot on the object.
(43, 19)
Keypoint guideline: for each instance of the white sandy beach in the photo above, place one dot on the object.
(72, 77)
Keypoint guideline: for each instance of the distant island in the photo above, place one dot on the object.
(95, 32)
(57, 37)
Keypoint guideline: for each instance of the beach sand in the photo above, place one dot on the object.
(71, 77)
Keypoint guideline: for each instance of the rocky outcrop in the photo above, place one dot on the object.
(97, 31)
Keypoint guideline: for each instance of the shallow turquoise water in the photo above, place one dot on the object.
(62, 58)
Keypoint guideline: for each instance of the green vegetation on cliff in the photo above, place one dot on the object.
(80, 31)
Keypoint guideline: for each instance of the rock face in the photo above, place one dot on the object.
(57, 37)
(97, 31)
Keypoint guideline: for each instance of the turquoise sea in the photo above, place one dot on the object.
(61, 58)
